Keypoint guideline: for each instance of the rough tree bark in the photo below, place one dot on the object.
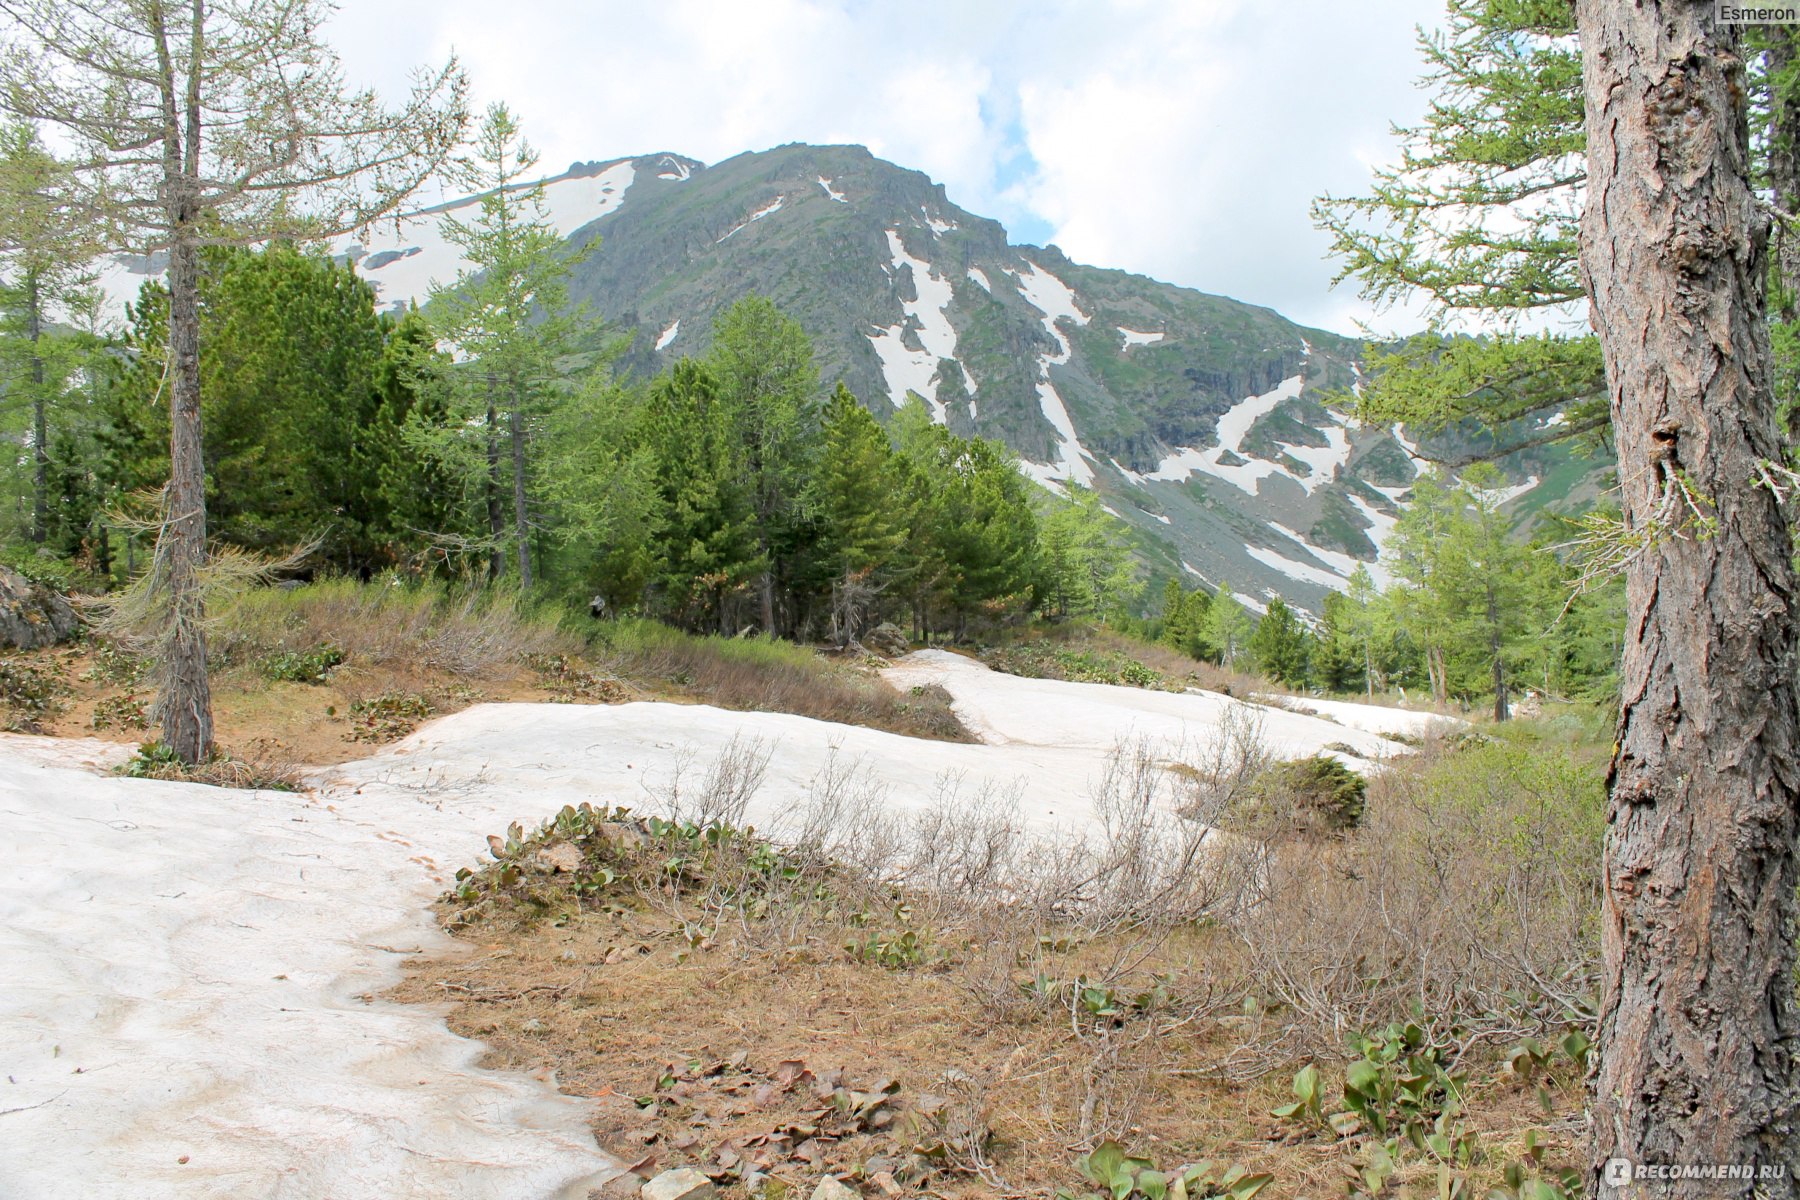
(185, 702)
(1698, 1027)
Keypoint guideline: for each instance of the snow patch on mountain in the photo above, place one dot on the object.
(1506, 495)
(1056, 300)
(773, 206)
(831, 191)
(937, 225)
(402, 259)
(669, 334)
(904, 368)
(1134, 338)
(1324, 460)
(981, 280)
(1234, 425)
(1343, 564)
(1305, 572)
(677, 170)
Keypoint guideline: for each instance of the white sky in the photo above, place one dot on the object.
(1182, 139)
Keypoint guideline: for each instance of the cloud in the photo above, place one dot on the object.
(1183, 139)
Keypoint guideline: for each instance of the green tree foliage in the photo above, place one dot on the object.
(302, 407)
(1480, 218)
(1087, 567)
(1228, 626)
(47, 319)
(762, 361)
(507, 315)
(1280, 646)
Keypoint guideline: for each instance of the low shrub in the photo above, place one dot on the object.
(766, 675)
(30, 695)
(313, 665)
(387, 717)
(252, 772)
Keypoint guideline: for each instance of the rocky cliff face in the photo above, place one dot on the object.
(1208, 425)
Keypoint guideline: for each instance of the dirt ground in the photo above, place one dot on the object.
(728, 1056)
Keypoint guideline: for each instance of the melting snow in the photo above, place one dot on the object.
(1324, 460)
(1056, 300)
(1303, 572)
(758, 215)
(981, 279)
(1506, 495)
(1134, 338)
(181, 1000)
(1234, 424)
(831, 191)
(417, 255)
(906, 369)
(937, 226)
(1343, 564)
(678, 170)
(669, 334)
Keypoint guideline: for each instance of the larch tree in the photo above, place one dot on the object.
(505, 314)
(189, 123)
(1698, 1028)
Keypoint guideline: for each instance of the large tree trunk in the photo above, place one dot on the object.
(40, 424)
(521, 510)
(1697, 1021)
(185, 705)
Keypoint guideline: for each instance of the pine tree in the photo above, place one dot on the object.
(1279, 644)
(707, 552)
(763, 362)
(864, 529)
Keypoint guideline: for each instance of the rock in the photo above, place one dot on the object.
(562, 857)
(32, 615)
(683, 1183)
(831, 1189)
(887, 640)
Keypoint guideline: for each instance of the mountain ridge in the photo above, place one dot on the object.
(1212, 427)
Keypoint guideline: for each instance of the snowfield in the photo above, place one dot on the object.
(188, 1004)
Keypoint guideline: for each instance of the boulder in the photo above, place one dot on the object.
(887, 640)
(683, 1183)
(31, 614)
(833, 1189)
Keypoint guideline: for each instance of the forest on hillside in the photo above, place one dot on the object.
(486, 438)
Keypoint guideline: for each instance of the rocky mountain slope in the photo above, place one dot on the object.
(1207, 424)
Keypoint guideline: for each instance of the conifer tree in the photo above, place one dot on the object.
(1278, 644)
(45, 273)
(762, 361)
(191, 124)
(506, 315)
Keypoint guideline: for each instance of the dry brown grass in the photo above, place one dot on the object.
(1028, 999)
(762, 675)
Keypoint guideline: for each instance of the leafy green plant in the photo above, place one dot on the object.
(313, 665)
(1549, 1066)
(895, 951)
(127, 711)
(1309, 1102)
(387, 717)
(1530, 1178)
(29, 695)
(1121, 1176)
